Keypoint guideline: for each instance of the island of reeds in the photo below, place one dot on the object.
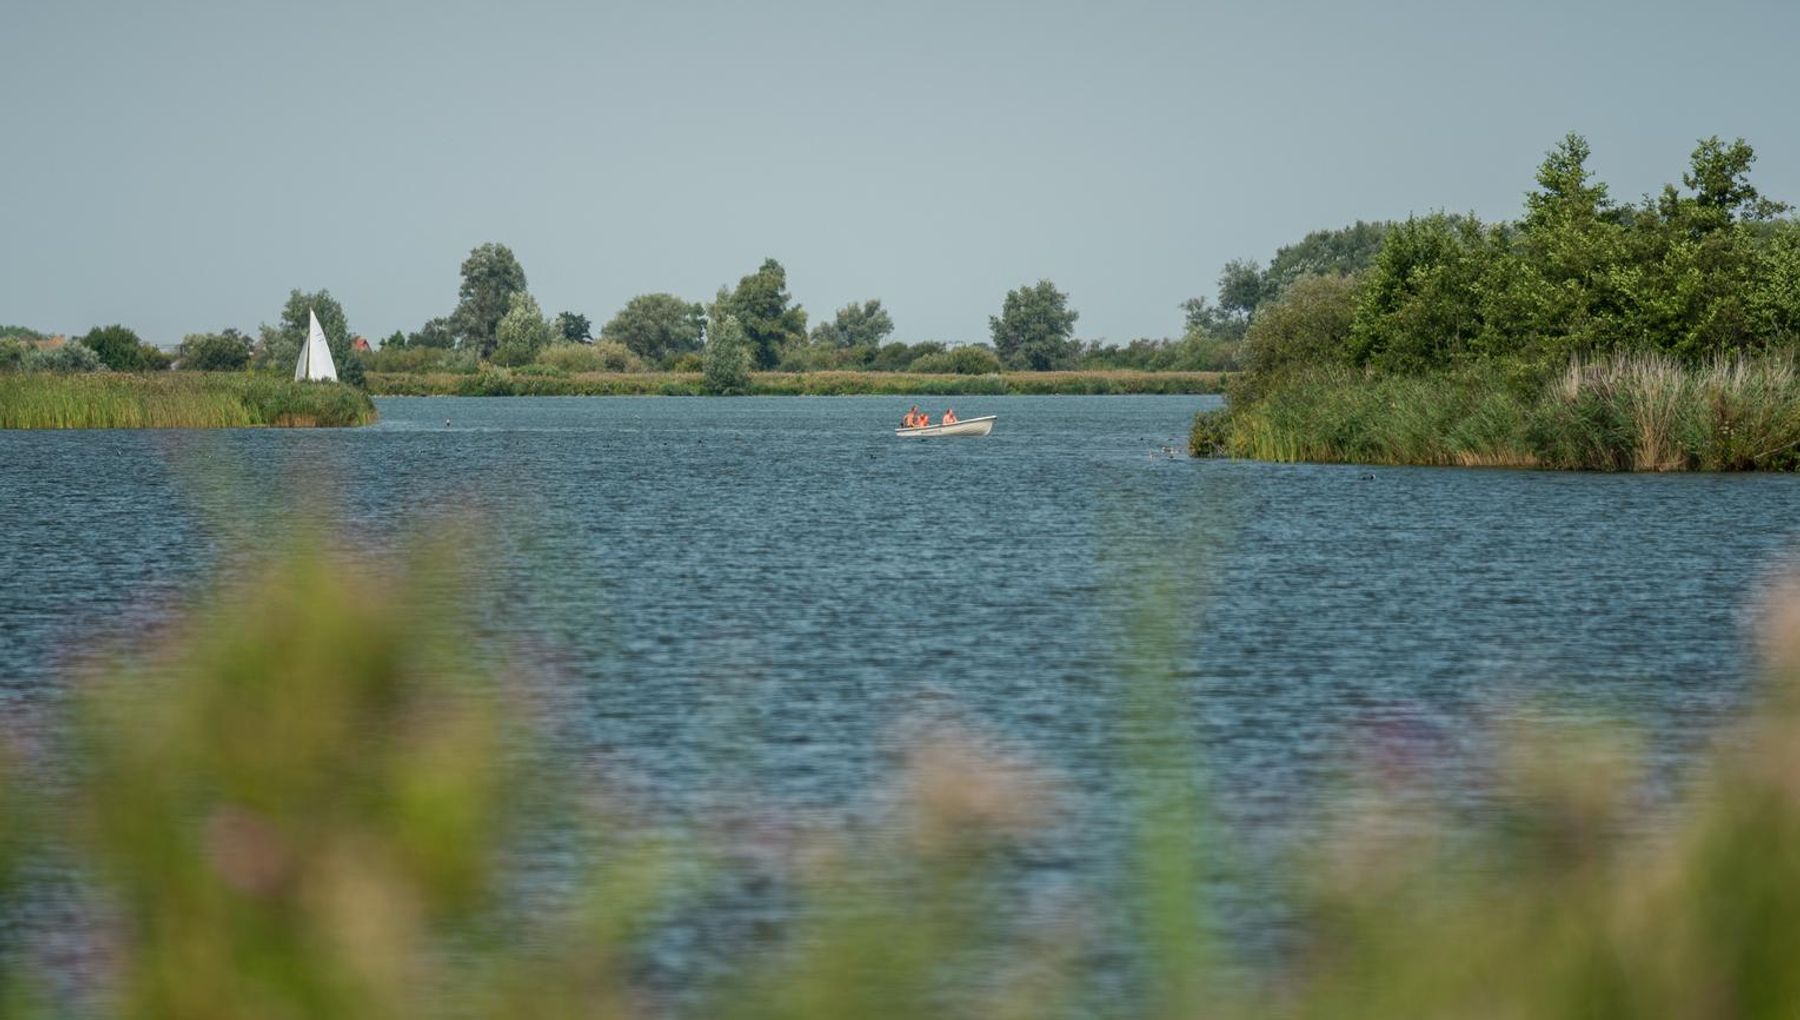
(184, 400)
(1590, 334)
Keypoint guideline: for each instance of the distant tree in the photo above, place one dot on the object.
(855, 325)
(1241, 287)
(523, 332)
(761, 304)
(21, 332)
(1719, 176)
(121, 350)
(490, 277)
(279, 346)
(225, 351)
(727, 358)
(574, 328)
(1035, 328)
(396, 341)
(657, 327)
(1345, 251)
(439, 333)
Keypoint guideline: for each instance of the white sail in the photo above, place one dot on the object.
(315, 355)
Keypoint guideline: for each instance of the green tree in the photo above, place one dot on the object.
(490, 277)
(396, 341)
(574, 328)
(122, 350)
(523, 332)
(439, 333)
(727, 358)
(1241, 287)
(1345, 251)
(763, 308)
(1309, 326)
(279, 347)
(225, 351)
(855, 325)
(1035, 328)
(1421, 304)
(657, 327)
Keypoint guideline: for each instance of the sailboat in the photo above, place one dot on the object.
(315, 355)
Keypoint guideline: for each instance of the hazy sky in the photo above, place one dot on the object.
(179, 166)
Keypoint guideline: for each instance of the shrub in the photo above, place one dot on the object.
(600, 356)
(727, 358)
(70, 357)
(687, 362)
(13, 354)
(226, 351)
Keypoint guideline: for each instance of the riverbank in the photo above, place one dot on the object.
(176, 400)
(497, 382)
(1631, 413)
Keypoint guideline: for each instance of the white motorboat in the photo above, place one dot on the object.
(965, 427)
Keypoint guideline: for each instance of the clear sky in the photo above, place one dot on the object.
(179, 166)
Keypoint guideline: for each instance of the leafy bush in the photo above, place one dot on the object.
(67, 358)
(226, 351)
(600, 356)
(959, 361)
(13, 354)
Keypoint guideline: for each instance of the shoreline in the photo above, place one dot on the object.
(503, 383)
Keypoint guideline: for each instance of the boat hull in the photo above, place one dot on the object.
(971, 427)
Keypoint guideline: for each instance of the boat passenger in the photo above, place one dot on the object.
(949, 416)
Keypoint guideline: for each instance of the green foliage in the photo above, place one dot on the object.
(395, 341)
(112, 400)
(490, 278)
(728, 355)
(658, 327)
(493, 381)
(21, 332)
(13, 352)
(1308, 326)
(959, 361)
(523, 333)
(574, 328)
(864, 324)
(1035, 328)
(1421, 303)
(1241, 287)
(1346, 251)
(601, 356)
(224, 351)
(121, 350)
(438, 333)
(71, 357)
(765, 312)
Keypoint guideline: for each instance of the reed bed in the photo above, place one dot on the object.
(175, 400)
(496, 382)
(1634, 412)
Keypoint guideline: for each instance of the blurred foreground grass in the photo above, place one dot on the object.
(311, 802)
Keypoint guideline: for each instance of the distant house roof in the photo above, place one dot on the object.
(359, 344)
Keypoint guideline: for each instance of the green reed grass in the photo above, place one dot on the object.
(499, 382)
(109, 400)
(1639, 412)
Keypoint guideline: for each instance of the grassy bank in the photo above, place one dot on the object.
(495, 382)
(1631, 413)
(171, 400)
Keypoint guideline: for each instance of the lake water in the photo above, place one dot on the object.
(762, 600)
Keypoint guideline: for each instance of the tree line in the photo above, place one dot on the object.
(1706, 268)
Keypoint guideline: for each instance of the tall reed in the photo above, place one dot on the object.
(110, 400)
(1632, 412)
